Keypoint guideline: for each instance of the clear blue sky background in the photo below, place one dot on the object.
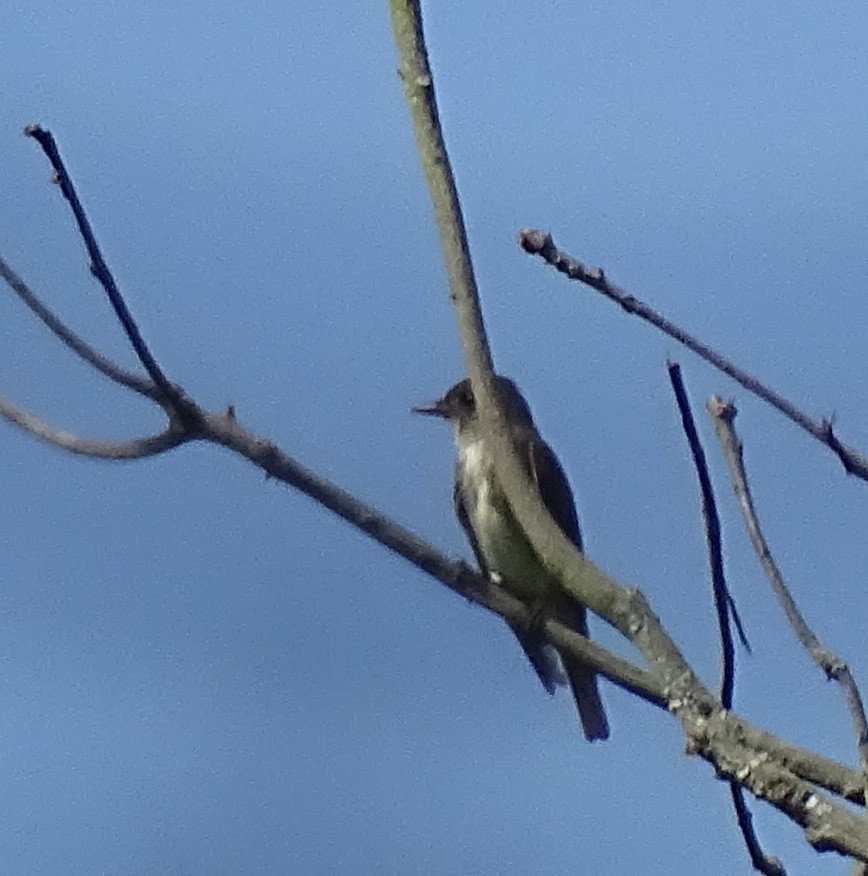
(204, 673)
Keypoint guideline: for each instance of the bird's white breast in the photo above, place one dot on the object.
(501, 540)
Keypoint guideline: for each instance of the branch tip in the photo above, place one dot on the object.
(723, 408)
(534, 241)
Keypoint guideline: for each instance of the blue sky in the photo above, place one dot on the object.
(204, 673)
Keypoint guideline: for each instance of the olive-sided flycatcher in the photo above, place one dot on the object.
(503, 552)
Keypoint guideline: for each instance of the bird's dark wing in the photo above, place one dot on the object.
(545, 471)
(554, 488)
(540, 655)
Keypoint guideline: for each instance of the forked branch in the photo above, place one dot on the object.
(723, 415)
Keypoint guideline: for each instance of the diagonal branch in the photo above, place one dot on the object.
(723, 415)
(751, 743)
(541, 244)
(100, 269)
(223, 429)
(78, 345)
(771, 768)
(827, 826)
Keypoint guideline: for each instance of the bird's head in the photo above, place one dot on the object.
(458, 406)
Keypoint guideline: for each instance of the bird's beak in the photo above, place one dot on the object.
(432, 409)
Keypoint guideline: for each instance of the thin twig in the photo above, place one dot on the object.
(110, 369)
(541, 244)
(769, 865)
(723, 604)
(723, 415)
(100, 269)
(136, 448)
(711, 523)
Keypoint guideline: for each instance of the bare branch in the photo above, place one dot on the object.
(769, 865)
(223, 429)
(712, 537)
(541, 244)
(726, 741)
(759, 744)
(110, 369)
(723, 605)
(418, 81)
(100, 269)
(723, 415)
(744, 744)
(137, 448)
(419, 91)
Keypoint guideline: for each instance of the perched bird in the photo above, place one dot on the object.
(502, 550)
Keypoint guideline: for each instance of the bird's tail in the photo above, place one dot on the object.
(592, 715)
(583, 679)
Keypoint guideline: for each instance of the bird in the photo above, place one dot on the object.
(497, 539)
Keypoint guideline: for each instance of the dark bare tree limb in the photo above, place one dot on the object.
(723, 605)
(711, 523)
(100, 269)
(768, 865)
